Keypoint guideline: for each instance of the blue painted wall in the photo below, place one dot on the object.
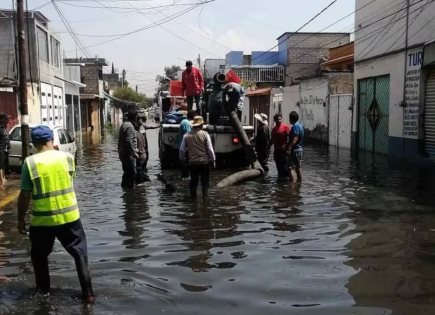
(400, 149)
(264, 57)
(234, 58)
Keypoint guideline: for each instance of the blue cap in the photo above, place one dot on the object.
(41, 133)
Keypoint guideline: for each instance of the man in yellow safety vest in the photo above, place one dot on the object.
(47, 178)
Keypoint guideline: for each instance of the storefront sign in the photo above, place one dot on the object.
(412, 93)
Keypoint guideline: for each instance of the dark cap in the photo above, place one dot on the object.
(42, 134)
(189, 63)
(4, 116)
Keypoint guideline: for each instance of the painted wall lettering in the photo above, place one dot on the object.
(412, 94)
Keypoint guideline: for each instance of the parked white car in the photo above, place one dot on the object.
(62, 141)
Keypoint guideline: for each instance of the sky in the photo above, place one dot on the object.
(144, 36)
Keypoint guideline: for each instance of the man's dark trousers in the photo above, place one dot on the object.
(189, 100)
(73, 239)
(129, 169)
(199, 171)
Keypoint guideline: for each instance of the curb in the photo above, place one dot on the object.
(8, 199)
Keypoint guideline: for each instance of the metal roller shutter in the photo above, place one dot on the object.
(429, 115)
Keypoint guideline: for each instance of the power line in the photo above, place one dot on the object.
(366, 36)
(404, 26)
(385, 31)
(174, 16)
(123, 8)
(182, 38)
(300, 28)
(69, 28)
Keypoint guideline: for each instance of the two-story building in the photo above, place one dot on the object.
(259, 72)
(44, 72)
(302, 53)
(395, 78)
(92, 94)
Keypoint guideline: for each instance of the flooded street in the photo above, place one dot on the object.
(356, 237)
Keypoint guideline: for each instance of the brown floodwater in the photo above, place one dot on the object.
(355, 237)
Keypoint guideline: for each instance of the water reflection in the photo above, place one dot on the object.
(136, 216)
(355, 237)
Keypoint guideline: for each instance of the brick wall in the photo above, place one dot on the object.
(341, 83)
(89, 76)
(305, 51)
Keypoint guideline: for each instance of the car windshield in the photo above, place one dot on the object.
(16, 134)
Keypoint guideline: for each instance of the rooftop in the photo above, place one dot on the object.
(87, 61)
(312, 33)
(31, 14)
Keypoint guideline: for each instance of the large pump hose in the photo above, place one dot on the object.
(256, 169)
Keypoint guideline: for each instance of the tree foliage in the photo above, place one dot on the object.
(171, 74)
(128, 94)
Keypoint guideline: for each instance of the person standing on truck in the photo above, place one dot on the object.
(185, 127)
(279, 140)
(127, 148)
(47, 178)
(262, 140)
(193, 86)
(196, 148)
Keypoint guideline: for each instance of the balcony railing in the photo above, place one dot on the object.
(258, 74)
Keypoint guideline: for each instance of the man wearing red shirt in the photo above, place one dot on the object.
(279, 139)
(193, 85)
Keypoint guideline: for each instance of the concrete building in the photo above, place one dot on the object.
(113, 109)
(92, 95)
(395, 78)
(44, 73)
(211, 67)
(71, 73)
(302, 53)
(258, 70)
(323, 101)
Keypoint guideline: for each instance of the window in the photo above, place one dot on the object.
(68, 136)
(68, 99)
(55, 53)
(42, 39)
(16, 134)
(62, 137)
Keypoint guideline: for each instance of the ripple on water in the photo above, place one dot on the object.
(263, 247)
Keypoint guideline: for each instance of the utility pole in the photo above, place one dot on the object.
(199, 61)
(123, 77)
(22, 67)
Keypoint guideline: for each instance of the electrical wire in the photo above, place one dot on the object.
(404, 26)
(378, 37)
(70, 30)
(364, 37)
(300, 28)
(173, 33)
(125, 8)
(174, 16)
(148, 26)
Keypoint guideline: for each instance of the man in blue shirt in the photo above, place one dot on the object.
(295, 146)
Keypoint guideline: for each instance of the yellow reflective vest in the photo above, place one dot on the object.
(54, 199)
